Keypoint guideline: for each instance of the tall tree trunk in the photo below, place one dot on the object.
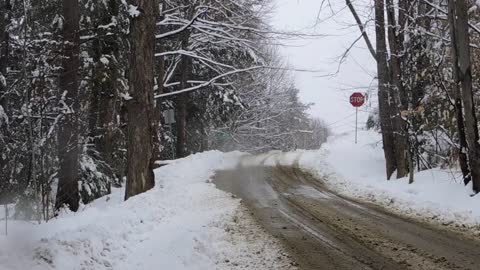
(140, 176)
(462, 68)
(462, 139)
(106, 116)
(5, 10)
(181, 125)
(182, 101)
(383, 94)
(68, 150)
(106, 85)
(5, 188)
(204, 137)
(157, 153)
(158, 107)
(397, 92)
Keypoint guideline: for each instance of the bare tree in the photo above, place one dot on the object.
(462, 69)
(5, 9)
(457, 99)
(103, 109)
(383, 92)
(391, 94)
(68, 150)
(182, 99)
(398, 97)
(140, 133)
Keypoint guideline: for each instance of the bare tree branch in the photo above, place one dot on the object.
(362, 29)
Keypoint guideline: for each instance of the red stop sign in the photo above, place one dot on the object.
(357, 99)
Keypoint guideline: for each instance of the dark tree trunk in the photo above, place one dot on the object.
(157, 153)
(5, 10)
(403, 15)
(182, 101)
(204, 138)
(462, 68)
(68, 150)
(383, 93)
(94, 98)
(396, 47)
(181, 125)
(397, 93)
(105, 86)
(462, 140)
(141, 116)
(5, 185)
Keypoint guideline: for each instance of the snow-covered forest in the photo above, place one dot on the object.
(173, 134)
(94, 91)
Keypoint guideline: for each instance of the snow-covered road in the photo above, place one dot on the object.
(326, 231)
(358, 171)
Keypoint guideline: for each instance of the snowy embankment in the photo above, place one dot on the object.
(358, 171)
(183, 223)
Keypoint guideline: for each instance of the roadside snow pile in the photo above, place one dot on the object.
(183, 223)
(358, 171)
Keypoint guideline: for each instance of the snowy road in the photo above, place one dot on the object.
(326, 231)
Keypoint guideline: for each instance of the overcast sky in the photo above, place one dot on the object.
(330, 95)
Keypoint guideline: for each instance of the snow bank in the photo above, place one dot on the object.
(183, 223)
(358, 171)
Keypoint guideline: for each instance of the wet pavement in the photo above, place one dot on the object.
(323, 230)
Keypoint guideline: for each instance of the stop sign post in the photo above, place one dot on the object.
(357, 100)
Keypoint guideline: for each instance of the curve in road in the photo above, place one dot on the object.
(323, 230)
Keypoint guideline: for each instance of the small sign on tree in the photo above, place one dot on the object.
(169, 116)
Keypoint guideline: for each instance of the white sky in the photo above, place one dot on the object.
(330, 94)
